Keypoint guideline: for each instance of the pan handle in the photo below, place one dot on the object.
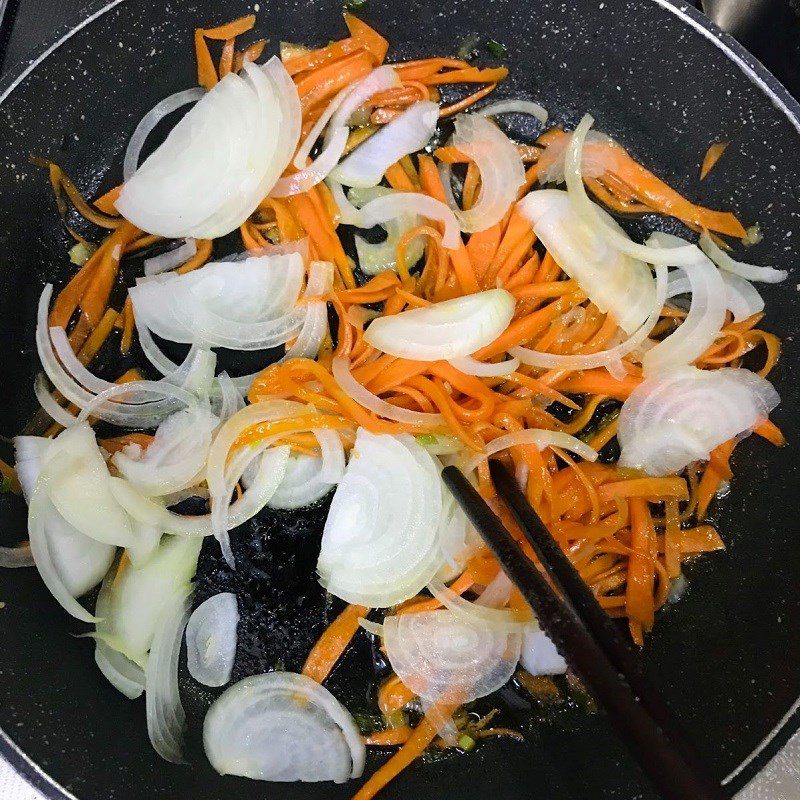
(762, 26)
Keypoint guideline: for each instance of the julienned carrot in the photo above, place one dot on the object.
(206, 71)
(106, 202)
(717, 470)
(393, 696)
(391, 737)
(398, 179)
(771, 432)
(672, 545)
(652, 488)
(117, 443)
(641, 573)
(323, 83)
(598, 381)
(416, 745)
(226, 59)
(251, 53)
(463, 583)
(466, 75)
(333, 642)
(368, 37)
(466, 102)
(712, 156)
(432, 185)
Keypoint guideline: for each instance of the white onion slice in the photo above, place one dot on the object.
(514, 107)
(679, 416)
(17, 557)
(500, 167)
(589, 211)
(381, 256)
(741, 297)
(242, 306)
(176, 457)
(340, 368)
(705, 318)
(450, 329)
(594, 161)
(442, 658)
(747, 271)
(349, 214)
(220, 160)
(125, 676)
(538, 438)
(171, 259)
(332, 455)
(78, 562)
(485, 369)
(149, 122)
(302, 484)
(539, 655)
(282, 727)
(383, 209)
(498, 619)
(133, 600)
(614, 282)
(166, 719)
(315, 324)
(211, 639)
(380, 544)
(408, 133)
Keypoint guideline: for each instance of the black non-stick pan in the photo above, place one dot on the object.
(661, 80)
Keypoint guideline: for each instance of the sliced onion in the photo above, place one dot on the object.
(16, 557)
(485, 369)
(242, 306)
(747, 271)
(614, 282)
(176, 457)
(282, 727)
(380, 543)
(383, 209)
(340, 368)
(594, 160)
(679, 416)
(166, 719)
(500, 167)
(498, 619)
(497, 592)
(442, 658)
(611, 358)
(706, 314)
(348, 213)
(335, 118)
(211, 639)
(408, 133)
(171, 259)
(149, 122)
(589, 211)
(125, 676)
(741, 297)
(379, 257)
(538, 438)
(220, 160)
(539, 655)
(450, 329)
(515, 107)
(230, 400)
(315, 324)
(332, 455)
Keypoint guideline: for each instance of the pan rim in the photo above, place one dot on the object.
(762, 79)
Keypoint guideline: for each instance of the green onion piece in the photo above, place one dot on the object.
(466, 742)
(427, 439)
(5, 484)
(495, 48)
(354, 5)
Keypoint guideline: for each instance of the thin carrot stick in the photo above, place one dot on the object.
(333, 642)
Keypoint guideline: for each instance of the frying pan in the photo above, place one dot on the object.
(662, 80)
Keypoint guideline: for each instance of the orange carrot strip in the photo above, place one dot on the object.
(671, 486)
(117, 443)
(641, 575)
(467, 75)
(226, 59)
(128, 326)
(232, 29)
(398, 179)
(672, 545)
(598, 381)
(712, 156)
(323, 83)
(771, 432)
(204, 248)
(206, 71)
(329, 648)
(107, 202)
(416, 745)
(391, 737)
(368, 37)
(393, 695)
(716, 471)
(469, 100)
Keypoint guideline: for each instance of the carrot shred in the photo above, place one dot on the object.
(712, 156)
(331, 645)
(641, 573)
(388, 738)
(106, 203)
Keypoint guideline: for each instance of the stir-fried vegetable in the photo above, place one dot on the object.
(495, 319)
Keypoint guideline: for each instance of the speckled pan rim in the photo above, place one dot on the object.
(758, 75)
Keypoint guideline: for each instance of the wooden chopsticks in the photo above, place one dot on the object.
(587, 639)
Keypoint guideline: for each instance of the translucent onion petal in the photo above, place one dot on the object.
(747, 271)
(211, 639)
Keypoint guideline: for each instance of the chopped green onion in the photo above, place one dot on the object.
(466, 743)
(427, 439)
(495, 48)
(354, 5)
(6, 484)
(752, 235)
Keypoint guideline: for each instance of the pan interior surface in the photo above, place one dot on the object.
(725, 656)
